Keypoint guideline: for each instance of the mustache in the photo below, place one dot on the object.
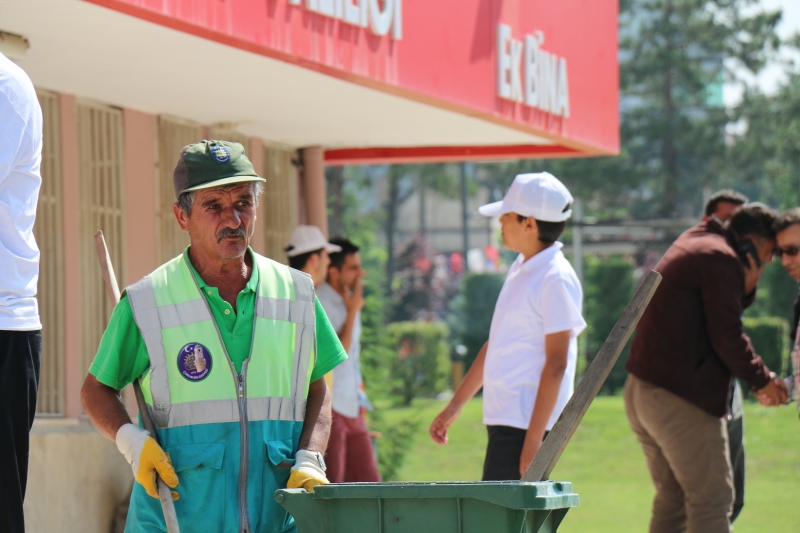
(228, 232)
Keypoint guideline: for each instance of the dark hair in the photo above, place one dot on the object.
(548, 231)
(298, 262)
(786, 219)
(753, 219)
(725, 195)
(348, 248)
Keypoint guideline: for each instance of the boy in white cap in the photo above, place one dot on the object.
(308, 251)
(527, 367)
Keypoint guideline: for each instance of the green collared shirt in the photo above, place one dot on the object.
(122, 354)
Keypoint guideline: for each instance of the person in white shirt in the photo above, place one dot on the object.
(527, 367)
(20, 329)
(350, 456)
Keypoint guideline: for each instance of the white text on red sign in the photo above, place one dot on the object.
(530, 75)
(362, 13)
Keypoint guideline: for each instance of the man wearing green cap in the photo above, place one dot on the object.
(231, 349)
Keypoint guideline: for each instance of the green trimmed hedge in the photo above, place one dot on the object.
(609, 284)
(770, 338)
(421, 365)
(479, 293)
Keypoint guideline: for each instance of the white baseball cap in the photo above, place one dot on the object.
(539, 195)
(306, 239)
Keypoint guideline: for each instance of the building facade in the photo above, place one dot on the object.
(125, 84)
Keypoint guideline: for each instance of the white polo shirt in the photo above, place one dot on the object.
(20, 160)
(540, 296)
(348, 397)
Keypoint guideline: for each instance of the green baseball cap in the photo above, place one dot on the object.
(212, 164)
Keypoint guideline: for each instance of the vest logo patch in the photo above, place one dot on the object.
(194, 361)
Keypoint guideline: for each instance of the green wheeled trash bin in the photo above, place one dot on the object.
(469, 507)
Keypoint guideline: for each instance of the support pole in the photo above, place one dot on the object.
(464, 213)
(314, 188)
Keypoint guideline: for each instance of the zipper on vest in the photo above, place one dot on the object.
(241, 398)
(244, 450)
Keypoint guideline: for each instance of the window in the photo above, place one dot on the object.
(100, 144)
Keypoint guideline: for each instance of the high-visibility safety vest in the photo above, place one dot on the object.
(231, 436)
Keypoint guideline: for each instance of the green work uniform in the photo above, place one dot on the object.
(166, 332)
(122, 355)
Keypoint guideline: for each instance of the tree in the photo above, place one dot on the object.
(674, 55)
(766, 157)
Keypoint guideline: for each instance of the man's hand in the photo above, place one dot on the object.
(529, 450)
(354, 301)
(442, 422)
(752, 273)
(773, 393)
(307, 472)
(147, 459)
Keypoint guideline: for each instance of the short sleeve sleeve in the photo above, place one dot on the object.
(330, 352)
(122, 355)
(561, 307)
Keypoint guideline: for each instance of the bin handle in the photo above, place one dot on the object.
(558, 438)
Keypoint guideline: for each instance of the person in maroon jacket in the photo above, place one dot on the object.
(688, 345)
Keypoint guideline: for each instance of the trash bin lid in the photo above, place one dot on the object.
(510, 494)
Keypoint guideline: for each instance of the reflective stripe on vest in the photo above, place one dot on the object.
(287, 321)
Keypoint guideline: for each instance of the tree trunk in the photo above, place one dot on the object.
(391, 223)
(669, 156)
(335, 188)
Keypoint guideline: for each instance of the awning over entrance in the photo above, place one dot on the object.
(369, 80)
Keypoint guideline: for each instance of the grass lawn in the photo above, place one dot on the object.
(607, 468)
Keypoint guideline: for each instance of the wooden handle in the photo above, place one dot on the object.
(164, 493)
(593, 379)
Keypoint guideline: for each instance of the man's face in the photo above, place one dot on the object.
(725, 210)
(351, 270)
(221, 224)
(787, 240)
(515, 233)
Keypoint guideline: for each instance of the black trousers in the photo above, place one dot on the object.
(503, 453)
(20, 354)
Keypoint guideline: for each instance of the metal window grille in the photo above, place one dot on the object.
(173, 135)
(279, 203)
(100, 142)
(50, 293)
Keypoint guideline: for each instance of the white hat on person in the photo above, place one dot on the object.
(306, 239)
(539, 195)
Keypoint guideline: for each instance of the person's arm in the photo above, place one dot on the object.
(317, 421)
(104, 407)
(353, 302)
(723, 287)
(556, 349)
(468, 387)
(308, 470)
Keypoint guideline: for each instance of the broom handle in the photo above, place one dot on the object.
(164, 494)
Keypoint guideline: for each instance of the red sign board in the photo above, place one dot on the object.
(544, 67)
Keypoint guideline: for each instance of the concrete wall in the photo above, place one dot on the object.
(76, 478)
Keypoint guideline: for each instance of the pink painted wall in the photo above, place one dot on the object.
(72, 268)
(141, 183)
(255, 152)
(141, 207)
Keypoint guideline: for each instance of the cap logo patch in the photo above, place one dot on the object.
(220, 154)
(194, 361)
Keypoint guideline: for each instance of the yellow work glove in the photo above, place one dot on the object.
(146, 458)
(308, 471)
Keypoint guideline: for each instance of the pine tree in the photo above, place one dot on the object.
(672, 53)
